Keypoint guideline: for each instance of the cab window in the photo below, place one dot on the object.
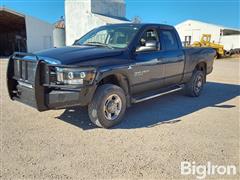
(169, 39)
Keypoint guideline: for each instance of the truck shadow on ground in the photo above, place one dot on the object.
(166, 109)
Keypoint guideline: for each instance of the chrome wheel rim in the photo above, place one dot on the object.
(112, 107)
(198, 84)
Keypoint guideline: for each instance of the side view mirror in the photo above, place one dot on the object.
(150, 45)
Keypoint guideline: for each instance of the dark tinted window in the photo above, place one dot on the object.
(169, 39)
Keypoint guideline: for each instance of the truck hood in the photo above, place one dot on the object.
(76, 54)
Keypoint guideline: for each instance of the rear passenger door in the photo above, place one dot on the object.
(172, 57)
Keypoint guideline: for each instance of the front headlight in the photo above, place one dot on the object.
(75, 76)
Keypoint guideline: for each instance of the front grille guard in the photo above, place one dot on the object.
(45, 66)
(39, 86)
(12, 83)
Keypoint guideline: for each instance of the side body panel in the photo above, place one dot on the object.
(195, 56)
(147, 73)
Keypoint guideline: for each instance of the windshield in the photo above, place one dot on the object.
(109, 36)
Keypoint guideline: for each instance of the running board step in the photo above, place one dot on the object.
(154, 95)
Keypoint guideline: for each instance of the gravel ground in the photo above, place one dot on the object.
(154, 138)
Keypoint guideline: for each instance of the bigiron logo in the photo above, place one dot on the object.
(209, 169)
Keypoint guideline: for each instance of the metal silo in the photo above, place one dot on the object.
(59, 33)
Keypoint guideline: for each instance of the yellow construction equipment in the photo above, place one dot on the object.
(206, 42)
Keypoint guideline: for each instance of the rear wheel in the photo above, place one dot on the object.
(108, 106)
(195, 85)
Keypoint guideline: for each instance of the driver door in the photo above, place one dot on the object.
(147, 73)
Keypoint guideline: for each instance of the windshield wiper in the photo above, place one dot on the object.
(98, 44)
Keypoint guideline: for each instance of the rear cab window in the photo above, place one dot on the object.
(168, 39)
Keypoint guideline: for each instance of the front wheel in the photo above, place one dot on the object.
(107, 106)
(195, 85)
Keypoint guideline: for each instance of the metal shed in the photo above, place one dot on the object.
(20, 32)
(192, 30)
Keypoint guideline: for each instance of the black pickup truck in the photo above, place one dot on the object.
(108, 69)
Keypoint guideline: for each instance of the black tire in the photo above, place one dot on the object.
(98, 110)
(194, 87)
(227, 53)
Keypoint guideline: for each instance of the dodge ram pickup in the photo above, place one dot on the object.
(109, 69)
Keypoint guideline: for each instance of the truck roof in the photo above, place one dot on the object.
(143, 25)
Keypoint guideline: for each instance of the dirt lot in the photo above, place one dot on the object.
(150, 144)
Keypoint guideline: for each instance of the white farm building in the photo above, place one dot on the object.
(83, 16)
(20, 32)
(192, 30)
(23, 33)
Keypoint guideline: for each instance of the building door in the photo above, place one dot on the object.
(187, 41)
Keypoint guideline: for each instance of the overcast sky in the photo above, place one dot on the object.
(223, 12)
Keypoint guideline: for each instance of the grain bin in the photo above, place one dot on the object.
(59, 33)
